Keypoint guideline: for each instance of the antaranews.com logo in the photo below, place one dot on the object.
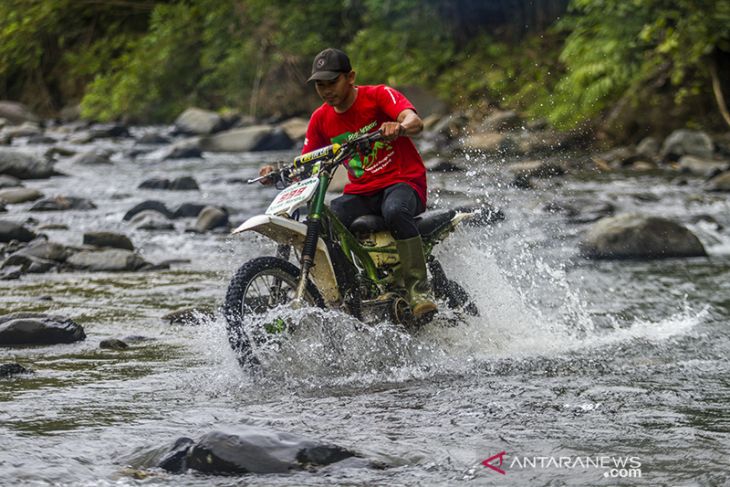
(611, 466)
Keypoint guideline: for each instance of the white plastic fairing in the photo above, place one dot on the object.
(291, 232)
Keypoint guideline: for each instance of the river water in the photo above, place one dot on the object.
(597, 362)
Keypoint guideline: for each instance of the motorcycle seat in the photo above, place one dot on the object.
(428, 223)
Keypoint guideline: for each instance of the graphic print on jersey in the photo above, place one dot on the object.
(359, 163)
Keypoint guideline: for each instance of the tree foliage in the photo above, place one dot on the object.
(616, 48)
(146, 60)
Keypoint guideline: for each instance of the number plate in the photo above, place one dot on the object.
(293, 197)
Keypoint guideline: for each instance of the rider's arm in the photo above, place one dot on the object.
(408, 123)
(411, 122)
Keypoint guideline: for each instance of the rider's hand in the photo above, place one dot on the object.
(264, 171)
(392, 130)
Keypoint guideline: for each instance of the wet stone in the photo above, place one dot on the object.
(250, 450)
(210, 218)
(137, 339)
(157, 206)
(63, 203)
(189, 316)
(6, 370)
(108, 260)
(188, 210)
(15, 231)
(113, 344)
(108, 239)
(38, 329)
(633, 236)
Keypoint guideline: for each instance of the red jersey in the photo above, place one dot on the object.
(388, 163)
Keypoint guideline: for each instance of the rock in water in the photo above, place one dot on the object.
(38, 329)
(113, 344)
(198, 121)
(632, 236)
(63, 203)
(189, 316)
(24, 166)
(209, 218)
(158, 206)
(109, 260)
(253, 450)
(108, 239)
(685, 142)
(14, 231)
(6, 370)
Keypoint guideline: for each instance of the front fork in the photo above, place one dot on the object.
(314, 223)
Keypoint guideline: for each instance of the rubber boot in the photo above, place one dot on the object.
(413, 271)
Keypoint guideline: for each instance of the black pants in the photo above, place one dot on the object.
(397, 204)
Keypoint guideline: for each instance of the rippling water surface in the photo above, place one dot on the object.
(570, 358)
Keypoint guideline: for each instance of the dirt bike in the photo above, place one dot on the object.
(351, 269)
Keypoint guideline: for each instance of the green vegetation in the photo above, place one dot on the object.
(614, 64)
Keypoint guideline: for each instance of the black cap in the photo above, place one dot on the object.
(329, 64)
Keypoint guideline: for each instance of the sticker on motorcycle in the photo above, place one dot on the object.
(293, 197)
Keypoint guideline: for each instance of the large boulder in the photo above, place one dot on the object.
(251, 450)
(248, 139)
(109, 260)
(685, 142)
(14, 196)
(16, 113)
(633, 236)
(63, 203)
(15, 231)
(24, 166)
(197, 121)
(295, 128)
(38, 329)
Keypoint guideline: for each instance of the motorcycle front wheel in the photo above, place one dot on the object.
(258, 286)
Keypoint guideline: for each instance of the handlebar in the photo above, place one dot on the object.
(336, 152)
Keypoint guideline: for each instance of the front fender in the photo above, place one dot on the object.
(291, 232)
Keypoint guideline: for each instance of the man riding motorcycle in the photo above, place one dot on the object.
(390, 181)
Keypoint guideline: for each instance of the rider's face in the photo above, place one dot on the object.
(338, 91)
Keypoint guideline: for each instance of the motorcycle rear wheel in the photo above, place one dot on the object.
(258, 286)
